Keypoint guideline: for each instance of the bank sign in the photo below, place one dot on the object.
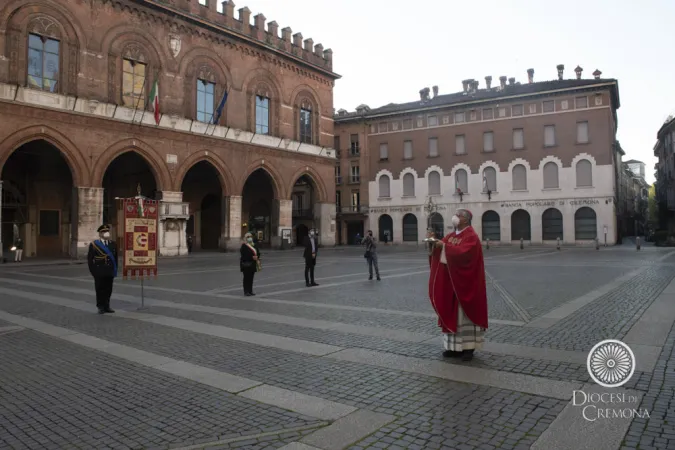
(554, 203)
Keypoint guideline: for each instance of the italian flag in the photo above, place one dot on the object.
(154, 99)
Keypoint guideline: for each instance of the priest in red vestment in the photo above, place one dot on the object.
(457, 288)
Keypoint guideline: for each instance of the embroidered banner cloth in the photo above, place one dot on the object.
(140, 219)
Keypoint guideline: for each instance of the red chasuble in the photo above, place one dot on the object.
(464, 275)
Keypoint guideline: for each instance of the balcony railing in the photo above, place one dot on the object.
(358, 209)
(302, 214)
(355, 179)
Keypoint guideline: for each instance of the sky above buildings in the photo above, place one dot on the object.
(386, 51)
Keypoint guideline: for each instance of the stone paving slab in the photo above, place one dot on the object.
(348, 430)
(56, 394)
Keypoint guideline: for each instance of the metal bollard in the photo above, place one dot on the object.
(487, 245)
(521, 244)
(637, 242)
(557, 246)
(597, 244)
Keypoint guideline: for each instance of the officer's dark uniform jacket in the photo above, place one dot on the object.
(100, 264)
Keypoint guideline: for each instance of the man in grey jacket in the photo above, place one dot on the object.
(371, 255)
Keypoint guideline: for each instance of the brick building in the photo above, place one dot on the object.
(535, 161)
(664, 150)
(77, 126)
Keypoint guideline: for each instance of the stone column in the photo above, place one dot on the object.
(324, 218)
(89, 218)
(282, 219)
(233, 208)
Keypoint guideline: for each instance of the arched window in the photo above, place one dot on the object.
(519, 177)
(436, 224)
(307, 118)
(386, 228)
(551, 175)
(585, 224)
(434, 183)
(134, 77)
(410, 228)
(491, 226)
(489, 179)
(408, 185)
(584, 173)
(552, 224)
(461, 181)
(384, 183)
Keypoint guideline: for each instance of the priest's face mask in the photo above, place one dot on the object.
(455, 221)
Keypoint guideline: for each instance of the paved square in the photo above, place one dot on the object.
(351, 363)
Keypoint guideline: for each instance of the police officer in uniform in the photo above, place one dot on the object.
(103, 260)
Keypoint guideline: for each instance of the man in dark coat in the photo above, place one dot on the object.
(309, 254)
(103, 260)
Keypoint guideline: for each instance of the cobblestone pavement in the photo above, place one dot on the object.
(57, 394)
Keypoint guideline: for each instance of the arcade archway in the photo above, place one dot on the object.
(303, 200)
(386, 228)
(37, 197)
(520, 225)
(257, 210)
(202, 188)
(437, 225)
(121, 179)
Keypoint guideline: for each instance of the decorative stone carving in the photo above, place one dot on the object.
(44, 26)
(133, 52)
(206, 73)
(175, 44)
(93, 104)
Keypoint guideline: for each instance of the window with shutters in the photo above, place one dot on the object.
(488, 141)
(408, 185)
(461, 181)
(519, 177)
(432, 121)
(549, 136)
(433, 147)
(384, 183)
(434, 183)
(460, 117)
(489, 179)
(517, 110)
(584, 173)
(488, 114)
(549, 106)
(582, 132)
(355, 174)
(384, 151)
(581, 102)
(518, 139)
(551, 175)
(460, 147)
(407, 150)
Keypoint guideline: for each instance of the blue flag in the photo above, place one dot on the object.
(219, 109)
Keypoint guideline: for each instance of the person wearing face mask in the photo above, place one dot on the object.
(371, 255)
(103, 260)
(457, 288)
(249, 263)
(311, 248)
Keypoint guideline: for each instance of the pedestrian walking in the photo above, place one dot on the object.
(249, 262)
(457, 288)
(189, 243)
(18, 250)
(103, 260)
(311, 249)
(386, 237)
(371, 255)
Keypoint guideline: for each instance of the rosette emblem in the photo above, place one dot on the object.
(611, 363)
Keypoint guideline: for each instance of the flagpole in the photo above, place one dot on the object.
(133, 118)
(225, 94)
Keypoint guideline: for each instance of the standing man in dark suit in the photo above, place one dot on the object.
(103, 260)
(311, 249)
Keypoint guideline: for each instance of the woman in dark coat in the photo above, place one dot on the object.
(249, 263)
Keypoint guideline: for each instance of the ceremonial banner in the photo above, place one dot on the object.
(140, 237)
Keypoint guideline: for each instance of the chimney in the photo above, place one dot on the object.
(228, 11)
(286, 34)
(465, 85)
(297, 40)
(560, 68)
(488, 81)
(422, 95)
(502, 81)
(309, 45)
(474, 86)
(318, 50)
(512, 81)
(259, 22)
(530, 76)
(435, 89)
(578, 71)
(597, 74)
(273, 29)
(328, 55)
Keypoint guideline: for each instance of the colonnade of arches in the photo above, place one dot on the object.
(585, 226)
(43, 204)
